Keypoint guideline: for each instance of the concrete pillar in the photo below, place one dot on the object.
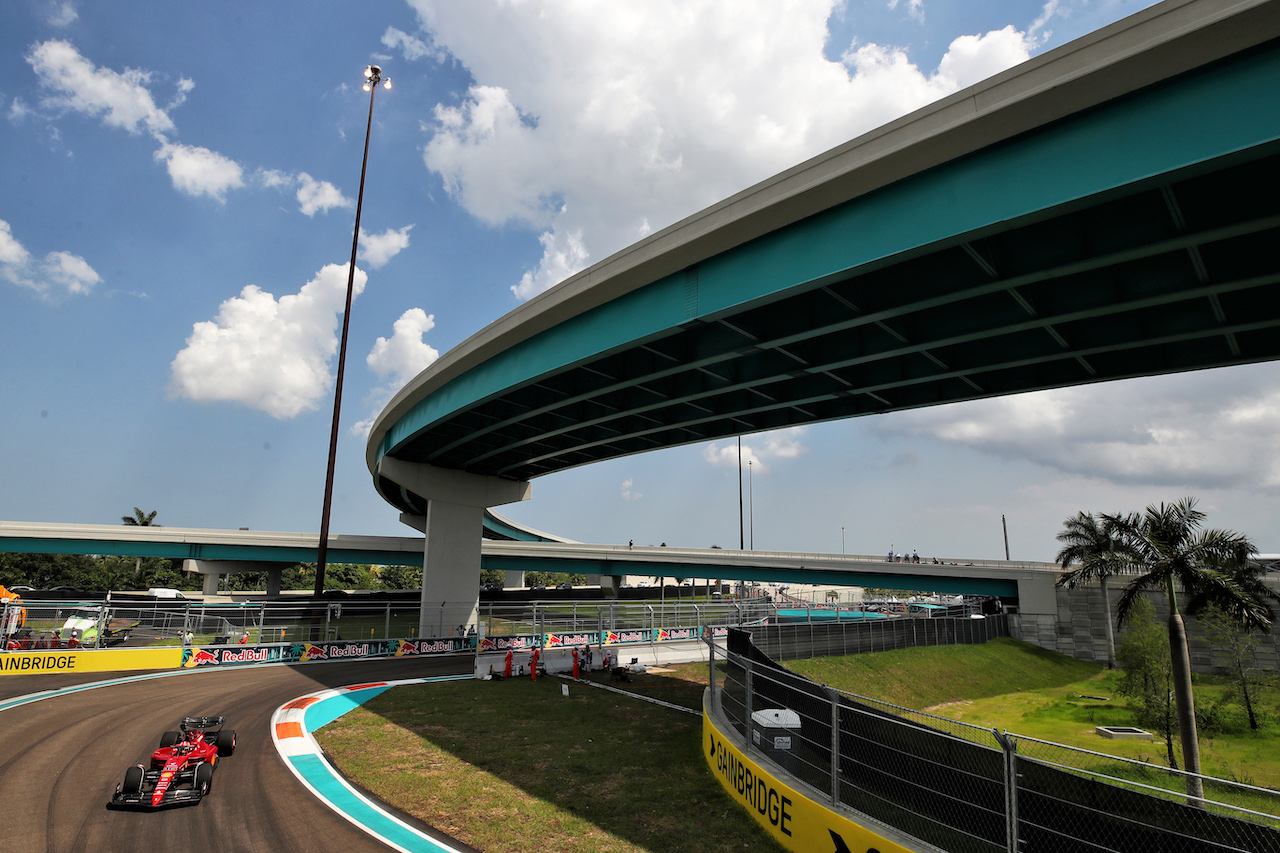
(512, 578)
(452, 533)
(274, 578)
(609, 585)
(210, 585)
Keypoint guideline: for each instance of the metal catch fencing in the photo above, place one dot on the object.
(967, 789)
(49, 624)
(812, 637)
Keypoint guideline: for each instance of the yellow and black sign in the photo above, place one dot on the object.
(797, 822)
(95, 660)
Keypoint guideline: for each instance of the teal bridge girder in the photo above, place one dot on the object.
(1107, 211)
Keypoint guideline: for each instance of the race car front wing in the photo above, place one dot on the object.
(182, 791)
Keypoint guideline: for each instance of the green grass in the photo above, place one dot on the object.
(1020, 688)
(515, 765)
(932, 675)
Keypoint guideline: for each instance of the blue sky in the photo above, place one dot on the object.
(175, 222)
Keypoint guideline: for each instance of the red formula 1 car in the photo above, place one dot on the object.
(181, 769)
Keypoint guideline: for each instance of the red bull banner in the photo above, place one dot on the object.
(575, 640)
(640, 635)
(326, 651)
(513, 641)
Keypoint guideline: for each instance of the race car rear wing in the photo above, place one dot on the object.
(191, 724)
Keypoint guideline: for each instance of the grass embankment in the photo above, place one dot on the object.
(514, 765)
(1017, 687)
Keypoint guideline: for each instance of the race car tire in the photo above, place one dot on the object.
(204, 779)
(132, 781)
(169, 739)
(226, 742)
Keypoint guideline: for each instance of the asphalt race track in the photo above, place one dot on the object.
(61, 758)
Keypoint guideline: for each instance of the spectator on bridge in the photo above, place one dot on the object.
(890, 555)
(915, 557)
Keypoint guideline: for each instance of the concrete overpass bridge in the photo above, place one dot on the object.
(1104, 211)
(214, 553)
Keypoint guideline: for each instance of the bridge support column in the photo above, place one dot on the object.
(609, 585)
(512, 578)
(453, 530)
(213, 570)
(1038, 610)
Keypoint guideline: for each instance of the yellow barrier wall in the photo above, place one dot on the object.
(96, 660)
(798, 823)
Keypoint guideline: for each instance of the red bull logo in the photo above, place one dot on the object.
(356, 650)
(310, 652)
(247, 656)
(406, 647)
(201, 657)
(612, 637)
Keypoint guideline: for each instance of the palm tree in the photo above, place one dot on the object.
(1092, 545)
(1167, 544)
(140, 519)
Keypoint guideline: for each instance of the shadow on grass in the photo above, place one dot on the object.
(517, 765)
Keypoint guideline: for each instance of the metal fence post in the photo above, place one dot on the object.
(386, 631)
(1010, 747)
(834, 698)
(711, 660)
(749, 704)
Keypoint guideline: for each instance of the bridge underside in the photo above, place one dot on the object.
(1134, 239)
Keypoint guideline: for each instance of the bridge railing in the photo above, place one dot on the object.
(965, 788)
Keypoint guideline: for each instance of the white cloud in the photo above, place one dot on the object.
(397, 360)
(198, 171)
(405, 355)
(378, 249)
(122, 100)
(410, 47)
(628, 492)
(1199, 431)
(63, 15)
(562, 255)
(757, 450)
(586, 126)
(915, 8)
(319, 196)
(267, 354)
(974, 58)
(57, 274)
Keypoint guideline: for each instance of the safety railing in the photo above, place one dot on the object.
(965, 788)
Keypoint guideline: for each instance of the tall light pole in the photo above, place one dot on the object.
(373, 76)
(751, 506)
(740, 537)
(842, 539)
